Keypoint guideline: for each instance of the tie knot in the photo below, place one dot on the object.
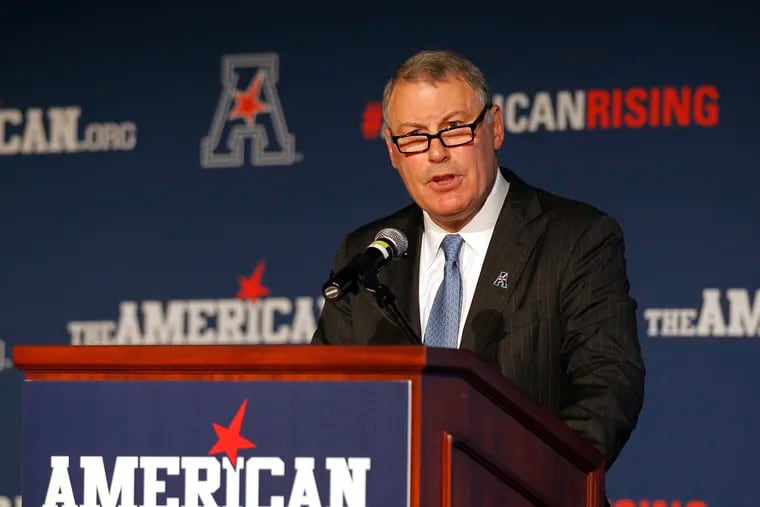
(451, 245)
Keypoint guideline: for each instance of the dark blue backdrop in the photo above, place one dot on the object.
(142, 242)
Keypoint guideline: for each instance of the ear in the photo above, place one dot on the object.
(498, 126)
(392, 152)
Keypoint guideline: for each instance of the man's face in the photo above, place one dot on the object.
(451, 184)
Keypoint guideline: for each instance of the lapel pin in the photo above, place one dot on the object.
(501, 280)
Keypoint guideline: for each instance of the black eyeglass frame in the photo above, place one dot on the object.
(472, 126)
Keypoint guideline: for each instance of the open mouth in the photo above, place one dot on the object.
(445, 181)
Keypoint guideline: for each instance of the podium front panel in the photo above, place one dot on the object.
(145, 443)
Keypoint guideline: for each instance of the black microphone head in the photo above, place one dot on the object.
(395, 238)
(388, 244)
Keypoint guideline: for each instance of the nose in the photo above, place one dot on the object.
(437, 151)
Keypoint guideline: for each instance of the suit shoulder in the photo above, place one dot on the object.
(570, 212)
(552, 206)
(568, 216)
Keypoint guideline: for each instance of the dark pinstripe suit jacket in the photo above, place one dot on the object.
(564, 328)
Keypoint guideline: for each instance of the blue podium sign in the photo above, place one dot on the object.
(216, 444)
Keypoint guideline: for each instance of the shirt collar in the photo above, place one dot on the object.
(476, 233)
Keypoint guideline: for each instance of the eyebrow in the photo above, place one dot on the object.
(444, 120)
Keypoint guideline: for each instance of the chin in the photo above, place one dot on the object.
(449, 215)
(452, 209)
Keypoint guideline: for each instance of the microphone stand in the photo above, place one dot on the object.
(387, 302)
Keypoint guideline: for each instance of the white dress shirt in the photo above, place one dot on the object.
(476, 234)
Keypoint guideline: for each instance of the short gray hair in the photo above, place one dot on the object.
(436, 66)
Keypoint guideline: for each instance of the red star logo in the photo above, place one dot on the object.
(251, 288)
(247, 103)
(229, 438)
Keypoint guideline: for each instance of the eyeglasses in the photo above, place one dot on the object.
(419, 142)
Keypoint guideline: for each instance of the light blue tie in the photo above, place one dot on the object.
(443, 323)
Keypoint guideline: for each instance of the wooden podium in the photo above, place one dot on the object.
(474, 439)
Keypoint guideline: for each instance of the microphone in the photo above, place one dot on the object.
(389, 244)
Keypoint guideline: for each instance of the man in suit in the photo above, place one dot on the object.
(537, 282)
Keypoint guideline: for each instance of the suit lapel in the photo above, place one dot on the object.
(402, 275)
(514, 237)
